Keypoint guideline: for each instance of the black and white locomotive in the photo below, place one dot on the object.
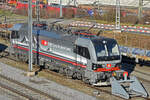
(79, 54)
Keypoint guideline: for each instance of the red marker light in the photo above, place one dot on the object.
(125, 73)
(108, 65)
(45, 43)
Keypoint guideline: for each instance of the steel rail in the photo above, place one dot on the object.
(16, 91)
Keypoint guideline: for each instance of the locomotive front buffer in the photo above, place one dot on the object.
(128, 87)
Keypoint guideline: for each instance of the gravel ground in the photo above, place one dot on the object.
(50, 87)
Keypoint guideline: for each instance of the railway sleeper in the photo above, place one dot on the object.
(61, 70)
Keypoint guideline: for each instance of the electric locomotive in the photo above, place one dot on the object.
(79, 54)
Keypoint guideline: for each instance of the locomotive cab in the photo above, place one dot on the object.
(101, 56)
(107, 53)
(99, 51)
(15, 32)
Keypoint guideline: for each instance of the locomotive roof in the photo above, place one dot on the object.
(16, 27)
(101, 38)
(45, 33)
(57, 34)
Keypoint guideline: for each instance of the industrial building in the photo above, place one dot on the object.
(132, 3)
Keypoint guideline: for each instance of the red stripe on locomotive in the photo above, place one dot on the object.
(73, 63)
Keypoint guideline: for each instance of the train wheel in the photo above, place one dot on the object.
(46, 66)
(17, 57)
(21, 57)
(61, 71)
(74, 76)
(86, 80)
(79, 76)
(50, 67)
(69, 73)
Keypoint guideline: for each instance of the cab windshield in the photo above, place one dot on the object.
(107, 51)
(113, 49)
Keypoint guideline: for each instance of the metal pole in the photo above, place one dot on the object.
(60, 8)
(117, 14)
(74, 2)
(30, 33)
(140, 9)
(5, 19)
(37, 11)
(98, 4)
(68, 2)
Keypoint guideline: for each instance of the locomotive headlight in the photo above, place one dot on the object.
(104, 42)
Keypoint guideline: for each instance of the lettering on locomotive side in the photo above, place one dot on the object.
(59, 47)
(52, 45)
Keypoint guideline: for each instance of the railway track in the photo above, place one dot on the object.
(23, 90)
(98, 89)
(142, 79)
(142, 72)
(107, 90)
(2, 85)
(33, 92)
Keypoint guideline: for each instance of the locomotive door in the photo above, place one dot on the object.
(80, 59)
(81, 54)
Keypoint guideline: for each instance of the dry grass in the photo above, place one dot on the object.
(131, 40)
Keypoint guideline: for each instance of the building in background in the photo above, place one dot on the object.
(71, 2)
(131, 3)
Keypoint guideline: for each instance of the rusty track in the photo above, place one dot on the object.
(16, 91)
(26, 86)
(21, 84)
(142, 73)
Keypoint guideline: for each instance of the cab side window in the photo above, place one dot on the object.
(14, 35)
(82, 51)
